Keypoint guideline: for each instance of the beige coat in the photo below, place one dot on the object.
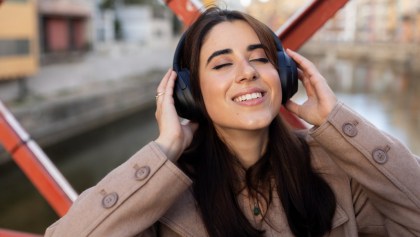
(375, 178)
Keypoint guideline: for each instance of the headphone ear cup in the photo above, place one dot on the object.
(288, 75)
(184, 102)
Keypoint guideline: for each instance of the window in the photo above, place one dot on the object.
(14, 47)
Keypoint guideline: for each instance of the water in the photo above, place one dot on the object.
(387, 95)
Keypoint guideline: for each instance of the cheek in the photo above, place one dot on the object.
(212, 92)
(273, 80)
(214, 95)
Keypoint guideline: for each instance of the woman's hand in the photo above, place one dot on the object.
(321, 99)
(174, 136)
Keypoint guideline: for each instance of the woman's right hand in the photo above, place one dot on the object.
(174, 136)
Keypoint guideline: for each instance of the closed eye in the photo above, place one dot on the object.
(217, 67)
(262, 60)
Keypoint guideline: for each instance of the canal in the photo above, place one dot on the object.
(387, 95)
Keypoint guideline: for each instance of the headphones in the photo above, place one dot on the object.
(187, 108)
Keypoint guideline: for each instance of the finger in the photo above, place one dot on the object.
(162, 85)
(310, 90)
(170, 84)
(159, 91)
(168, 90)
(309, 72)
(163, 88)
(302, 63)
(306, 83)
(300, 74)
(292, 107)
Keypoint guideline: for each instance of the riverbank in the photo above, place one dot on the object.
(405, 56)
(67, 99)
(55, 119)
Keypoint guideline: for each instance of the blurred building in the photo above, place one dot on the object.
(271, 12)
(274, 12)
(18, 39)
(136, 24)
(64, 25)
(144, 25)
(374, 21)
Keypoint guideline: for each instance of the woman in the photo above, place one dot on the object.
(239, 171)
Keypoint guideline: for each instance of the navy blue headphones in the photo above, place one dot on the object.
(187, 108)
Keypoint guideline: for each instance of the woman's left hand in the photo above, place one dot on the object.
(321, 99)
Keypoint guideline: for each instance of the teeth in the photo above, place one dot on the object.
(248, 97)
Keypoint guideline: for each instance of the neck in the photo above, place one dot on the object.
(248, 146)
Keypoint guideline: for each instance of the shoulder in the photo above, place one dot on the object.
(320, 157)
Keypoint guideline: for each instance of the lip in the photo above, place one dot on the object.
(250, 91)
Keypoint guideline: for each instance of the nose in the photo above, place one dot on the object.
(246, 72)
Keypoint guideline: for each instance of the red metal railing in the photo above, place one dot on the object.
(49, 181)
(34, 163)
(304, 23)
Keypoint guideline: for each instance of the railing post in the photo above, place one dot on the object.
(34, 163)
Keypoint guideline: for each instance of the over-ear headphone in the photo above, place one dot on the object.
(187, 108)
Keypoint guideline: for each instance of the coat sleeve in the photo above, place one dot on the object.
(385, 174)
(128, 201)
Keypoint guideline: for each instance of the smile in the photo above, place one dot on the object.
(250, 96)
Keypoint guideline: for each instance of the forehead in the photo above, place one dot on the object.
(233, 35)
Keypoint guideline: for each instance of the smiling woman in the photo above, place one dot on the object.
(240, 87)
(236, 169)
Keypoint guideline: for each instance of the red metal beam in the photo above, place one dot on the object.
(300, 28)
(302, 25)
(186, 11)
(34, 163)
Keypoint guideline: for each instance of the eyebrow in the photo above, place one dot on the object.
(217, 53)
(228, 51)
(256, 46)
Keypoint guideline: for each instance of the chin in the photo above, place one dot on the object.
(254, 124)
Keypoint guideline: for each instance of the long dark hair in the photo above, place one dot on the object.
(308, 201)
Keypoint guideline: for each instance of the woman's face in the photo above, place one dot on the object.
(240, 87)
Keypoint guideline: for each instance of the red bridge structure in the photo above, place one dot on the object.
(48, 179)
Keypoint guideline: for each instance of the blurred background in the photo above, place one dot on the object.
(81, 75)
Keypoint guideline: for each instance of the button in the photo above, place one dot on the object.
(349, 129)
(142, 173)
(380, 156)
(109, 200)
